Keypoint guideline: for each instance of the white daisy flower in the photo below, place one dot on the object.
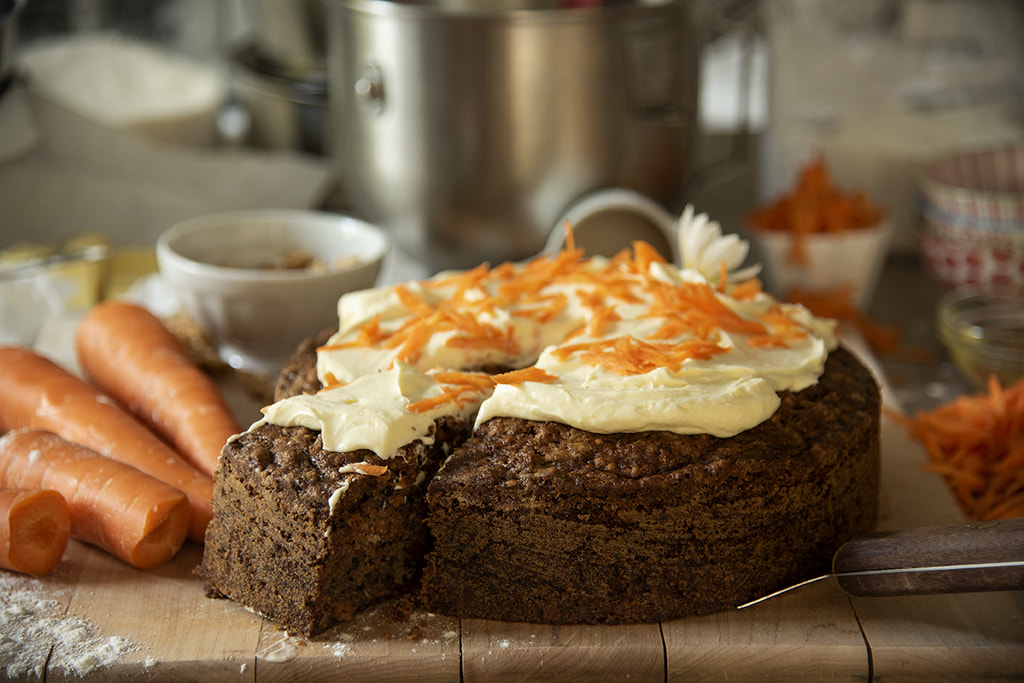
(703, 248)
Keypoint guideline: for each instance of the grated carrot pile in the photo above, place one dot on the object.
(815, 205)
(976, 443)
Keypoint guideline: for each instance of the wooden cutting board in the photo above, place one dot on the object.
(97, 619)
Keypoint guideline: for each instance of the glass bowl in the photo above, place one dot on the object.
(983, 330)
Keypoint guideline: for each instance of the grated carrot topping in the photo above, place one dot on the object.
(410, 340)
(371, 470)
(487, 337)
(530, 374)
(630, 356)
(426, 404)
(644, 255)
(332, 382)
(547, 309)
(466, 386)
(696, 307)
(478, 380)
(570, 236)
(599, 321)
(464, 280)
(976, 443)
(745, 291)
(413, 302)
(782, 330)
(368, 335)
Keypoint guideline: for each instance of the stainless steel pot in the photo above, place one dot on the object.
(468, 132)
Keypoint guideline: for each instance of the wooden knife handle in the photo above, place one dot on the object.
(932, 554)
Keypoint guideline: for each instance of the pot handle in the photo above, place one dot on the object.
(598, 224)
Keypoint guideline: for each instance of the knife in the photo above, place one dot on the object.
(959, 558)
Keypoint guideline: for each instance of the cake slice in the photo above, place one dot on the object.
(308, 537)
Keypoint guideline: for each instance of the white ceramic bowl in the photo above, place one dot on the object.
(216, 265)
(853, 259)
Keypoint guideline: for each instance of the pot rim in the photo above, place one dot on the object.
(426, 9)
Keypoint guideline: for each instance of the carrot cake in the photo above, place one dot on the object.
(566, 440)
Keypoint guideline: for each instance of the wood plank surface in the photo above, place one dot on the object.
(102, 620)
(808, 634)
(494, 651)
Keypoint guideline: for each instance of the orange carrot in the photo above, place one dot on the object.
(129, 353)
(34, 528)
(37, 393)
(113, 506)
(976, 443)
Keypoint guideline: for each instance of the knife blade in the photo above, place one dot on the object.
(957, 558)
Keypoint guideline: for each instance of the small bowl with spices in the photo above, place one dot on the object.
(258, 282)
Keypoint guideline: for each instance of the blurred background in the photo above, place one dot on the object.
(469, 129)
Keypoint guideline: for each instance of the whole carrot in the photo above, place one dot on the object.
(34, 527)
(129, 353)
(36, 392)
(113, 506)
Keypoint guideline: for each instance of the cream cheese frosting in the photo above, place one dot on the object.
(625, 344)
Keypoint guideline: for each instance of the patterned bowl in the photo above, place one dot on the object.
(971, 218)
(982, 188)
(963, 256)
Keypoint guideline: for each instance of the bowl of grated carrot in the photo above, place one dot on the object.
(821, 239)
(258, 282)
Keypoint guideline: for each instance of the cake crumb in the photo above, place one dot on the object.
(283, 650)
